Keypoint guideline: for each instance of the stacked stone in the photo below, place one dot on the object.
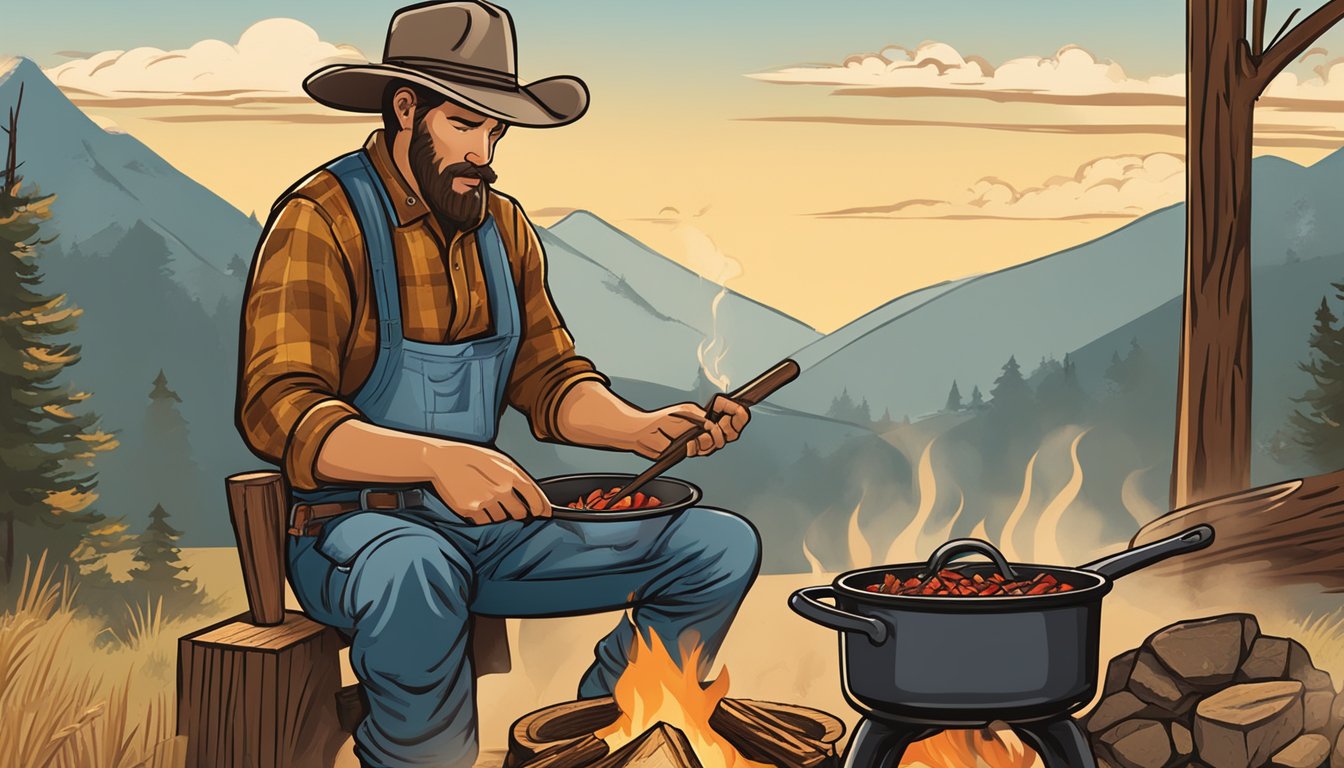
(1216, 693)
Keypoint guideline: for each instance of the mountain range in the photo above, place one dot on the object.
(149, 254)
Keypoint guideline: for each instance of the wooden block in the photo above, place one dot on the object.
(260, 697)
(258, 508)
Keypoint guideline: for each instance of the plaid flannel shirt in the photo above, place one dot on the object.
(309, 331)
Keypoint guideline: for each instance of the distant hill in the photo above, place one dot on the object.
(110, 179)
(905, 354)
(756, 336)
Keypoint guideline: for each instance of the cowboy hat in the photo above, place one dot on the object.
(465, 50)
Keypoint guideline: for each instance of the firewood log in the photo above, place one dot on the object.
(575, 753)
(661, 746)
(762, 737)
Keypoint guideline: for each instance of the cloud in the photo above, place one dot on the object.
(1071, 76)
(1121, 186)
(266, 65)
(1325, 83)
(937, 69)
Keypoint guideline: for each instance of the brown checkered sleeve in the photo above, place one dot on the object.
(296, 324)
(547, 366)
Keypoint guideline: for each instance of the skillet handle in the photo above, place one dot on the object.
(1131, 560)
(804, 602)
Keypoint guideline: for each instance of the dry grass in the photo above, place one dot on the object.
(1323, 637)
(51, 671)
(56, 709)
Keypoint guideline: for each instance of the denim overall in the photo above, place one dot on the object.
(403, 584)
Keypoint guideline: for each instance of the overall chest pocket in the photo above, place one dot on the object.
(457, 399)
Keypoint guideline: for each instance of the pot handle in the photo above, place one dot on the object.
(804, 602)
(956, 547)
(1131, 560)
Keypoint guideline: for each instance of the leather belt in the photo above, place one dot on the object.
(308, 519)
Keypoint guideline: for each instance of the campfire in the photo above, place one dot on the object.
(661, 715)
(994, 747)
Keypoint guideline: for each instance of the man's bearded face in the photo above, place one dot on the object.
(460, 209)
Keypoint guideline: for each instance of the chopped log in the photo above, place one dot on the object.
(261, 697)
(814, 723)
(575, 753)
(1281, 534)
(538, 731)
(661, 746)
(762, 737)
(258, 507)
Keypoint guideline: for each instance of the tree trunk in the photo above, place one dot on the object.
(1225, 75)
(1213, 400)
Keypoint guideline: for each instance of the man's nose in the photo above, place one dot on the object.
(478, 150)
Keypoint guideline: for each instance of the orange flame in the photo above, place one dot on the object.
(654, 689)
(993, 747)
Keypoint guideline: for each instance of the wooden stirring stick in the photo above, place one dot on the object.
(748, 394)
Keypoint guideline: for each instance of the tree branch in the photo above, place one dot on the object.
(1297, 39)
(1258, 27)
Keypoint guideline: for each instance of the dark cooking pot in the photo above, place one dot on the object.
(952, 660)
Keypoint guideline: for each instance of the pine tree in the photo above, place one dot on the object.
(953, 399)
(886, 422)
(48, 440)
(1132, 372)
(238, 268)
(977, 399)
(169, 475)
(863, 414)
(842, 407)
(1010, 389)
(1317, 427)
(163, 574)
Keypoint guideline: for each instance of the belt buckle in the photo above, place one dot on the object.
(365, 503)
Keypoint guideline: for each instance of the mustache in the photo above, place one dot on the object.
(467, 170)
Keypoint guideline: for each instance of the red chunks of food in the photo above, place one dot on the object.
(599, 499)
(953, 583)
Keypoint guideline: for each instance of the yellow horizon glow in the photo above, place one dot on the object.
(758, 180)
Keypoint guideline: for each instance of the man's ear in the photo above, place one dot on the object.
(403, 104)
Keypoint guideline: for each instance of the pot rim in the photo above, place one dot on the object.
(1093, 593)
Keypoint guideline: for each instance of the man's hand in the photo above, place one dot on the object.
(483, 485)
(661, 427)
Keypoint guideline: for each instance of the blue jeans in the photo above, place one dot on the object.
(403, 585)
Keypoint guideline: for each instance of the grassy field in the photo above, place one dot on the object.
(66, 703)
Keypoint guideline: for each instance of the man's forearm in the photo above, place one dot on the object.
(592, 415)
(359, 452)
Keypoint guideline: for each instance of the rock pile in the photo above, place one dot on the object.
(1215, 692)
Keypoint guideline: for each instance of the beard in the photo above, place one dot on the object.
(452, 208)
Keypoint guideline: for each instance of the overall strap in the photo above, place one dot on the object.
(373, 210)
(500, 289)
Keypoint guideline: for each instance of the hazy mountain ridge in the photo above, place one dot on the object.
(153, 274)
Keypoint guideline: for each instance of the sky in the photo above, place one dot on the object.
(823, 158)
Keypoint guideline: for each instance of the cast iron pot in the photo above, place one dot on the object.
(965, 661)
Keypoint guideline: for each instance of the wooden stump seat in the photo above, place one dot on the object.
(259, 690)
